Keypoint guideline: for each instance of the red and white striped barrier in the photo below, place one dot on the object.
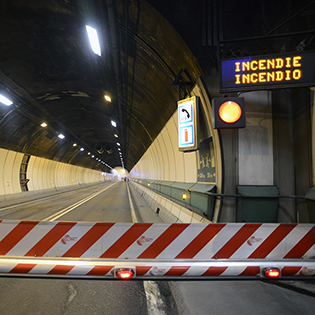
(156, 250)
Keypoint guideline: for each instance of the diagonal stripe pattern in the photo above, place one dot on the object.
(154, 242)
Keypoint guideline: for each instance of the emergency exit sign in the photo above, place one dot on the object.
(268, 72)
(187, 124)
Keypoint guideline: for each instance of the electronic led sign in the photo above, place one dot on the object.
(268, 72)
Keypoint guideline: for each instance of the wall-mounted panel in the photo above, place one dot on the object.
(256, 141)
(3, 155)
(16, 172)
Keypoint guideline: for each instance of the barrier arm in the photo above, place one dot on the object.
(158, 251)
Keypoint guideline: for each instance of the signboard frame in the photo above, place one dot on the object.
(303, 63)
(188, 135)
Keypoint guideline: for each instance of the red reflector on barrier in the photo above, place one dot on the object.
(272, 272)
(124, 273)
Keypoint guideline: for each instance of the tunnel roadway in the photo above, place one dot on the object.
(109, 202)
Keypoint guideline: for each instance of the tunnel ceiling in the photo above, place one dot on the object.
(148, 50)
(49, 71)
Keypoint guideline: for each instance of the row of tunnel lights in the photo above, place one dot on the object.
(118, 145)
(94, 42)
(6, 101)
(62, 136)
(96, 48)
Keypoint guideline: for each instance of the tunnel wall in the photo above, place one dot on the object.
(163, 160)
(10, 162)
(272, 151)
(42, 173)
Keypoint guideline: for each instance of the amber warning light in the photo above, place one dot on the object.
(228, 112)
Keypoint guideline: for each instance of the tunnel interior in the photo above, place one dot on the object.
(151, 54)
(52, 76)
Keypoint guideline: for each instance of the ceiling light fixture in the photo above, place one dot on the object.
(107, 98)
(43, 125)
(93, 38)
(113, 123)
(61, 136)
(5, 101)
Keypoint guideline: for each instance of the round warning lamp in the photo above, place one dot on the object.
(230, 112)
(125, 273)
(272, 272)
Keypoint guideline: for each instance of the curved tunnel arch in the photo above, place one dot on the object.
(149, 67)
(64, 63)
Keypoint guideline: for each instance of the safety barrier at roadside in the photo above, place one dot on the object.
(182, 251)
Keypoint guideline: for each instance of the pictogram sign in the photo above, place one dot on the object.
(187, 124)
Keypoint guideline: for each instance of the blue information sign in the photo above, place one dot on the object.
(187, 124)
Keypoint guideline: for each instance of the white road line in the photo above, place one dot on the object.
(132, 208)
(62, 212)
(24, 203)
(151, 288)
(155, 303)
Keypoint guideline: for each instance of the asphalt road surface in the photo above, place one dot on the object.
(109, 202)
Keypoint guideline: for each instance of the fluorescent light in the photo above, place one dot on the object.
(82, 149)
(61, 136)
(107, 98)
(113, 123)
(5, 100)
(43, 125)
(74, 144)
(118, 144)
(93, 38)
(116, 136)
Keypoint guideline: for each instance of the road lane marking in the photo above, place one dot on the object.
(132, 208)
(155, 303)
(31, 201)
(152, 292)
(23, 203)
(62, 212)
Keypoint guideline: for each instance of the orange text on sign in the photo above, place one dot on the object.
(268, 70)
